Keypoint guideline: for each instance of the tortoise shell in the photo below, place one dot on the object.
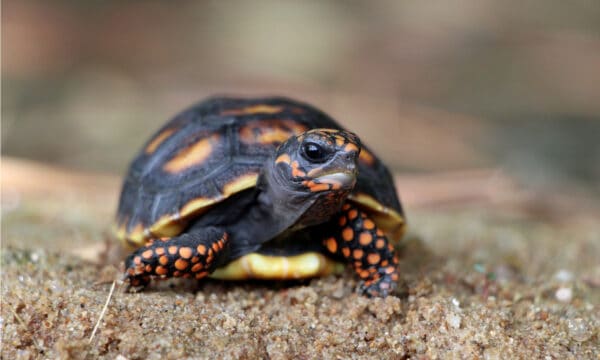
(215, 150)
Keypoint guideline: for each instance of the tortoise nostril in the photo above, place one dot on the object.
(351, 156)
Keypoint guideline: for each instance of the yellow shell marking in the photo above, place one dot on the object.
(242, 183)
(172, 224)
(258, 266)
(167, 226)
(193, 207)
(272, 131)
(273, 136)
(191, 156)
(136, 235)
(366, 157)
(388, 219)
(254, 109)
(159, 139)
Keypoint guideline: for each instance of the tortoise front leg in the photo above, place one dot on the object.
(195, 254)
(358, 240)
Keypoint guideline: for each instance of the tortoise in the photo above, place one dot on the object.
(266, 188)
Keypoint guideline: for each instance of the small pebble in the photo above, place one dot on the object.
(456, 302)
(579, 329)
(453, 320)
(564, 275)
(564, 294)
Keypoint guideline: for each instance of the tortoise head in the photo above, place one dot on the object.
(314, 170)
(318, 161)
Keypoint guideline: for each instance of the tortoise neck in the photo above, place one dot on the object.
(295, 207)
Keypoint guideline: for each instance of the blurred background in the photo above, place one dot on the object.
(511, 86)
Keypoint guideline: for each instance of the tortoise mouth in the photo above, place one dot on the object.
(337, 180)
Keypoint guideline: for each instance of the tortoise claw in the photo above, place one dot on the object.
(136, 283)
(379, 288)
(134, 276)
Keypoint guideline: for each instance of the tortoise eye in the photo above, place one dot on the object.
(314, 152)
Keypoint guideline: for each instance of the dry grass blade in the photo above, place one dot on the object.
(112, 289)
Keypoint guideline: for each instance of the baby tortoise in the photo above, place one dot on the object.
(264, 188)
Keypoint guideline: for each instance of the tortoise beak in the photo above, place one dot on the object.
(339, 180)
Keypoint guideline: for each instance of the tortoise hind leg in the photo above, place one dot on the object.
(356, 238)
(191, 255)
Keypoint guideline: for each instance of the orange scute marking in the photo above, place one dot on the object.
(254, 109)
(159, 139)
(147, 254)
(201, 249)
(159, 251)
(161, 270)
(191, 156)
(347, 234)
(181, 264)
(390, 269)
(197, 267)
(172, 250)
(368, 224)
(352, 214)
(366, 157)
(358, 254)
(163, 260)
(351, 147)
(380, 243)
(185, 252)
(273, 136)
(365, 238)
(346, 252)
(273, 131)
(331, 245)
(373, 258)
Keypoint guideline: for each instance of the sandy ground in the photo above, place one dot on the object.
(478, 282)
